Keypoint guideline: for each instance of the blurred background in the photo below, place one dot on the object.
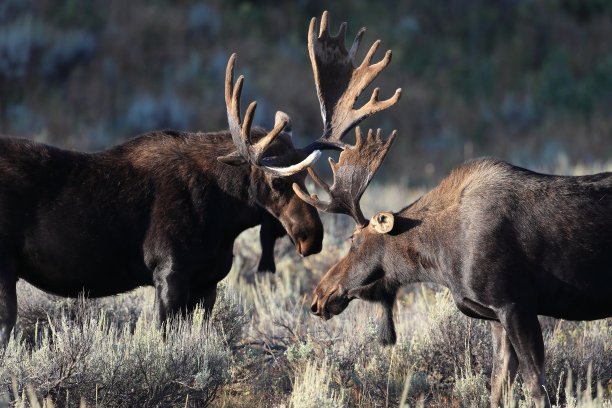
(525, 80)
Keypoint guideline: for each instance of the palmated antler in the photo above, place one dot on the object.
(246, 150)
(352, 174)
(340, 82)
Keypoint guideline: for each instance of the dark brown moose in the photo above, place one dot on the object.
(158, 210)
(164, 209)
(509, 243)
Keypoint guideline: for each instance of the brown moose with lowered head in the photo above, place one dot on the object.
(510, 244)
(164, 209)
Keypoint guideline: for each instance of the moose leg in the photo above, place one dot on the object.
(171, 292)
(524, 331)
(271, 230)
(387, 335)
(505, 363)
(206, 298)
(8, 301)
(267, 240)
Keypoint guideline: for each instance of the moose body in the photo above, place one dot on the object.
(510, 244)
(158, 210)
(495, 233)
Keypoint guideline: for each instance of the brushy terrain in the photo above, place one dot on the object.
(525, 80)
(261, 347)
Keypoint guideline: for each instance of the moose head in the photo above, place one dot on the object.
(340, 82)
(361, 274)
(272, 155)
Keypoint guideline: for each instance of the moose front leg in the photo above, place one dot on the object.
(505, 363)
(271, 229)
(525, 334)
(8, 301)
(267, 241)
(387, 335)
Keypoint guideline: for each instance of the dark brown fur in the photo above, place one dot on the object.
(158, 210)
(510, 244)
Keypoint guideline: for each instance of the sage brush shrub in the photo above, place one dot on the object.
(471, 391)
(314, 388)
(36, 309)
(582, 350)
(80, 354)
(450, 345)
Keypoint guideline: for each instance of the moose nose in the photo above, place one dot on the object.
(308, 244)
(314, 308)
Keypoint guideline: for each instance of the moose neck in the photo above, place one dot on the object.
(233, 185)
(239, 189)
(428, 235)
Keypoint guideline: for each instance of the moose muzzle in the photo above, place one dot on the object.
(327, 305)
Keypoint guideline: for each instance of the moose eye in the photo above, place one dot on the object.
(279, 184)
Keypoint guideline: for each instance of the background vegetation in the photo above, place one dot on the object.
(524, 80)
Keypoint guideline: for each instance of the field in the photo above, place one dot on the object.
(529, 81)
(262, 348)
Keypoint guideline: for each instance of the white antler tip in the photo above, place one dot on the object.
(296, 168)
(314, 156)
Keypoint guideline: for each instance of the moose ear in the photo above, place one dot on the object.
(382, 222)
(233, 159)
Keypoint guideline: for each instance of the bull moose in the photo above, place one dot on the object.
(510, 244)
(164, 208)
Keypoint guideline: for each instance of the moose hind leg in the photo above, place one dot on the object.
(523, 329)
(8, 301)
(505, 363)
(205, 298)
(171, 292)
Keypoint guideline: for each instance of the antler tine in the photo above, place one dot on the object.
(356, 42)
(318, 180)
(250, 152)
(368, 58)
(310, 199)
(352, 175)
(324, 27)
(229, 79)
(263, 143)
(248, 121)
(374, 105)
(232, 102)
(340, 82)
(359, 137)
(341, 35)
